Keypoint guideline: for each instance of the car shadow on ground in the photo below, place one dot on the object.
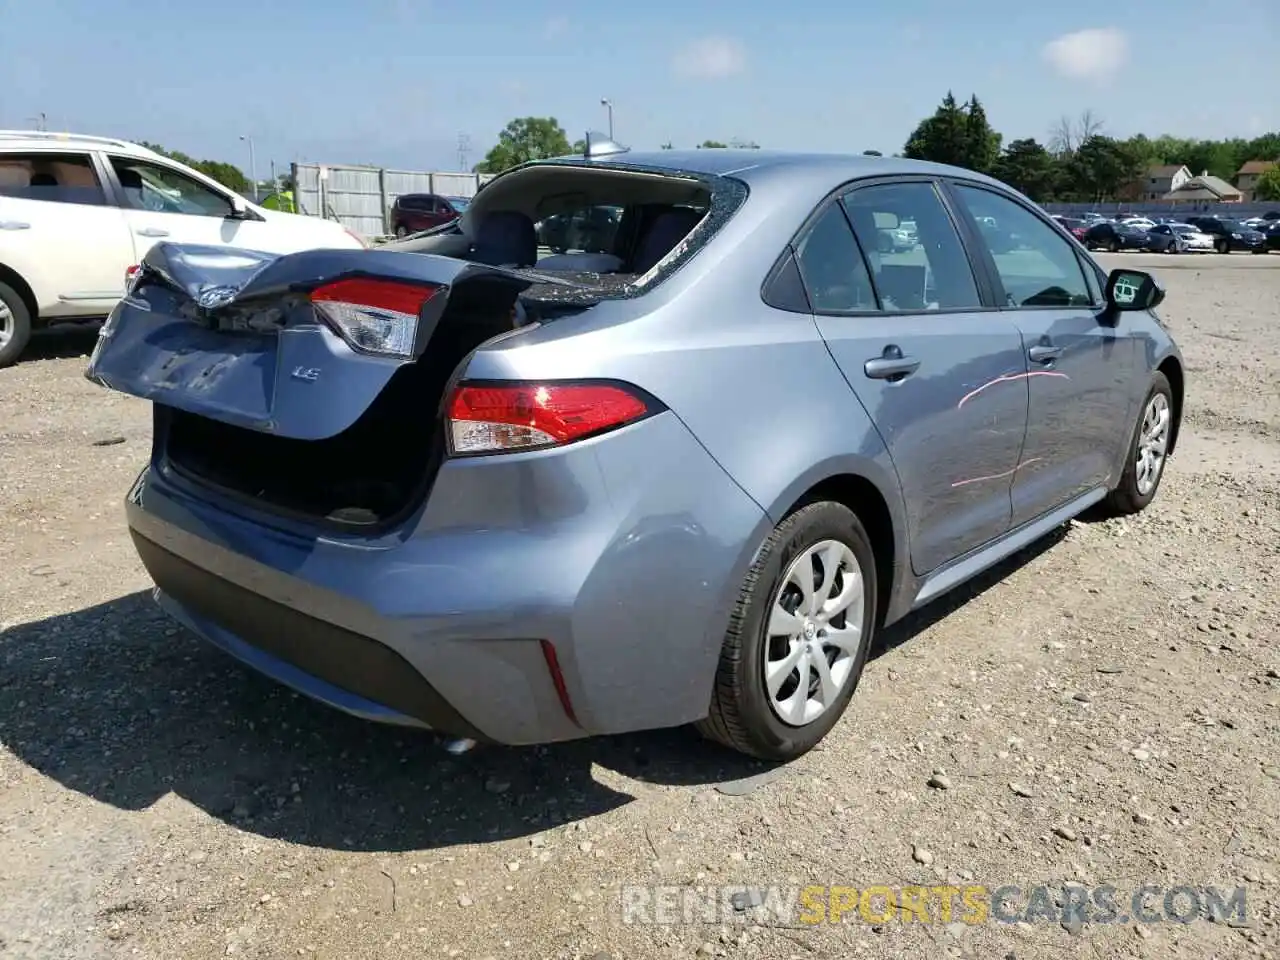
(63, 341)
(121, 705)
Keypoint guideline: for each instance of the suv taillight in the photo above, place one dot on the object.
(509, 417)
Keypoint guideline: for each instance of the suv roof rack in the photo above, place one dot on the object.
(68, 137)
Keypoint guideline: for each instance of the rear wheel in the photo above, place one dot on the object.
(15, 325)
(1148, 451)
(798, 637)
(1221, 246)
(402, 231)
(1114, 246)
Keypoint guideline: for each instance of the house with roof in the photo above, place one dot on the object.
(1248, 175)
(1205, 188)
(1158, 180)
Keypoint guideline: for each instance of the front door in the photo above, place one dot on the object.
(164, 204)
(936, 371)
(1080, 360)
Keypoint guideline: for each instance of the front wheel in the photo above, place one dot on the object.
(1222, 246)
(798, 636)
(1114, 246)
(402, 231)
(1148, 451)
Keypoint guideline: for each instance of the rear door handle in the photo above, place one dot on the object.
(1044, 353)
(14, 225)
(152, 232)
(891, 365)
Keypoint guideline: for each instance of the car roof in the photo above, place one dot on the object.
(752, 164)
(44, 140)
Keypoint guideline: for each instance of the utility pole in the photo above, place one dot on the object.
(608, 105)
(464, 151)
(253, 173)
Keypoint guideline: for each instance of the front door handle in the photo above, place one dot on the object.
(152, 232)
(891, 365)
(14, 225)
(1044, 353)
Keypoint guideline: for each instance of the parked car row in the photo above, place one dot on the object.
(1195, 234)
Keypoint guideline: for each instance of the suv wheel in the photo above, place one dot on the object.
(798, 636)
(15, 325)
(1148, 451)
(1221, 246)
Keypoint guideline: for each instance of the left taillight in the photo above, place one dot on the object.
(374, 316)
(486, 418)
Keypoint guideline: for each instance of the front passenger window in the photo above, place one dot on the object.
(160, 189)
(1037, 266)
(834, 273)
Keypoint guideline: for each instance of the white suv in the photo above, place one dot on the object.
(77, 212)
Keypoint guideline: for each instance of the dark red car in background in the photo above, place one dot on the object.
(413, 212)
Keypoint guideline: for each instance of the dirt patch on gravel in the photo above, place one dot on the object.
(1105, 709)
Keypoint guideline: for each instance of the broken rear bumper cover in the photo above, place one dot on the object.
(628, 572)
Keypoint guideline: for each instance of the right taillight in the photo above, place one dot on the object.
(508, 417)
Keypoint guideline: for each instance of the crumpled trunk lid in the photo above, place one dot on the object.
(236, 336)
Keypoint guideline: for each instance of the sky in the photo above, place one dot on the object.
(396, 83)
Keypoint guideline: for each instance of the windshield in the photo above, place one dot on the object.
(1184, 228)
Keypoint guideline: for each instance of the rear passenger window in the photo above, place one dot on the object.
(834, 273)
(1037, 266)
(917, 260)
(54, 177)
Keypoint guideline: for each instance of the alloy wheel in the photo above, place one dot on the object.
(6, 323)
(814, 632)
(1153, 443)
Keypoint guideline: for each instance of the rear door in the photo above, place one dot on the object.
(60, 232)
(296, 346)
(1080, 357)
(936, 368)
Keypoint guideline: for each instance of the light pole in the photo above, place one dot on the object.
(608, 105)
(253, 173)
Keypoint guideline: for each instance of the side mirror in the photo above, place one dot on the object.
(1133, 290)
(241, 211)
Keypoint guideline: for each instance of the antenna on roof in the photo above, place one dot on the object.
(597, 144)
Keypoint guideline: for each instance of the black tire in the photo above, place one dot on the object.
(402, 230)
(1257, 250)
(741, 717)
(1114, 246)
(1126, 498)
(18, 323)
(1221, 246)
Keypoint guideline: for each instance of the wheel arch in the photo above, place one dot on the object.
(885, 530)
(1172, 369)
(12, 278)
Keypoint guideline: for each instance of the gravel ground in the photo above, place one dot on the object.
(1104, 709)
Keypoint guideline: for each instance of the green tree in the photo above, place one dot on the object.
(1268, 187)
(1101, 167)
(226, 174)
(1028, 166)
(942, 137)
(982, 144)
(872, 153)
(712, 145)
(525, 139)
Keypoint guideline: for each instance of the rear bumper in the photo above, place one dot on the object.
(333, 665)
(624, 553)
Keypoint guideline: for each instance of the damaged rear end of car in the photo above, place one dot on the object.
(337, 500)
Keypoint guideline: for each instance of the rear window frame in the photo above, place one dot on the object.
(727, 196)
